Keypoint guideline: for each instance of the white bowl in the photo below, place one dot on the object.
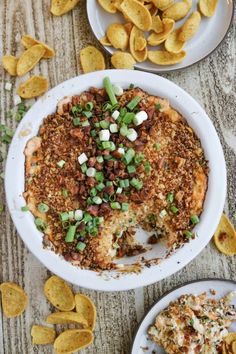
(213, 206)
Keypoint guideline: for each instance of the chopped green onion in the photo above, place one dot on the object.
(138, 159)
(194, 219)
(83, 167)
(109, 90)
(61, 163)
(97, 200)
(174, 209)
(163, 213)
(108, 157)
(115, 205)
(89, 201)
(128, 118)
(131, 86)
(76, 109)
(40, 224)
(91, 172)
(136, 183)
(131, 169)
(25, 208)
(124, 130)
(87, 217)
(85, 123)
(65, 193)
(123, 112)
(87, 114)
(64, 216)
(157, 146)
(99, 176)
(93, 133)
(71, 233)
(43, 208)
(124, 183)
(104, 124)
(147, 166)
(89, 106)
(191, 322)
(76, 121)
(100, 186)
(188, 234)
(133, 103)
(108, 145)
(100, 159)
(119, 190)
(71, 214)
(170, 197)
(97, 125)
(109, 183)
(128, 156)
(93, 192)
(80, 246)
(125, 206)
(106, 107)
(158, 106)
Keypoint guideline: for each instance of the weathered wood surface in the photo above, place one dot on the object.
(212, 82)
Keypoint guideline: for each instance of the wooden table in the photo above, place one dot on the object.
(211, 82)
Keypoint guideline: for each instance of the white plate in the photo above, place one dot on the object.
(211, 33)
(213, 206)
(141, 340)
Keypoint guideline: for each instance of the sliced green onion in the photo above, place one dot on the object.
(119, 190)
(131, 86)
(174, 209)
(109, 90)
(84, 167)
(163, 213)
(124, 130)
(99, 176)
(40, 224)
(104, 124)
(124, 183)
(131, 169)
(158, 106)
(71, 233)
(64, 216)
(76, 121)
(93, 192)
(61, 163)
(147, 166)
(100, 159)
(93, 133)
(89, 201)
(108, 145)
(123, 112)
(80, 246)
(133, 103)
(188, 234)
(87, 217)
(136, 183)
(170, 197)
(97, 200)
(115, 205)
(89, 106)
(125, 206)
(109, 183)
(106, 107)
(128, 156)
(138, 159)
(100, 187)
(76, 109)
(108, 157)
(85, 123)
(91, 172)
(194, 219)
(25, 208)
(43, 208)
(97, 125)
(128, 118)
(157, 146)
(65, 193)
(87, 114)
(71, 214)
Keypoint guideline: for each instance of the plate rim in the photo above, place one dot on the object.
(68, 275)
(168, 70)
(224, 280)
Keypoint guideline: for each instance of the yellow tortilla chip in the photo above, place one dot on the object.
(190, 27)
(29, 59)
(105, 41)
(234, 347)
(29, 41)
(122, 60)
(228, 342)
(225, 237)
(33, 87)
(163, 4)
(72, 340)
(117, 36)
(140, 43)
(9, 63)
(86, 308)
(42, 335)
(165, 58)
(152, 9)
(157, 38)
(177, 11)
(60, 7)
(14, 299)
(208, 7)
(66, 317)
(91, 59)
(139, 55)
(157, 24)
(59, 294)
(173, 44)
(137, 13)
(108, 5)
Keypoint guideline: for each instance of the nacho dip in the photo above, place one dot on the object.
(109, 160)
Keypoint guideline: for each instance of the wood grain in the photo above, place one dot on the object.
(211, 82)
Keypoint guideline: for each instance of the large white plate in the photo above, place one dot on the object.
(211, 33)
(213, 206)
(141, 340)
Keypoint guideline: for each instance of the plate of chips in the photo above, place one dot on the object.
(159, 35)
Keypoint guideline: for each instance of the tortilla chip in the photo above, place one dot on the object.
(14, 299)
(160, 57)
(138, 55)
(163, 4)
(29, 41)
(157, 38)
(117, 36)
(122, 60)
(137, 13)
(234, 347)
(225, 237)
(29, 59)
(208, 7)
(60, 7)
(42, 335)
(72, 340)
(9, 63)
(157, 24)
(86, 308)
(66, 318)
(173, 44)
(177, 11)
(108, 5)
(104, 41)
(59, 294)
(33, 87)
(91, 59)
(190, 27)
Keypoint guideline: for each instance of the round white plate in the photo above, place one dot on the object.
(211, 33)
(141, 340)
(213, 206)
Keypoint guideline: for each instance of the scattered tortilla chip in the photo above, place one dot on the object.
(14, 299)
(190, 27)
(140, 43)
(122, 60)
(157, 25)
(86, 308)
(152, 9)
(72, 340)
(117, 36)
(139, 55)
(208, 7)
(225, 237)
(165, 58)
(59, 294)
(137, 13)
(29, 59)
(42, 335)
(163, 4)
(108, 5)
(177, 11)
(229, 339)
(173, 44)
(67, 317)
(60, 7)
(9, 63)
(157, 38)
(29, 41)
(91, 59)
(234, 347)
(128, 26)
(104, 41)
(33, 87)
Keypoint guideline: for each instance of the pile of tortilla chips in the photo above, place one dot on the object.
(229, 346)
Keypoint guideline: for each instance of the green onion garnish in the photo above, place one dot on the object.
(85, 123)
(109, 183)
(93, 133)
(80, 246)
(109, 90)
(124, 131)
(104, 124)
(133, 103)
(106, 107)
(174, 209)
(76, 109)
(97, 200)
(138, 159)
(25, 208)
(131, 86)
(100, 186)
(43, 208)
(147, 166)
(131, 169)
(64, 216)
(128, 156)
(65, 193)
(170, 197)
(84, 167)
(87, 217)
(194, 219)
(157, 146)
(115, 205)
(89, 106)
(93, 192)
(61, 163)
(71, 233)
(40, 224)
(119, 190)
(125, 206)
(128, 118)
(100, 159)
(188, 234)
(87, 114)
(136, 183)
(158, 106)
(99, 176)
(76, 121)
